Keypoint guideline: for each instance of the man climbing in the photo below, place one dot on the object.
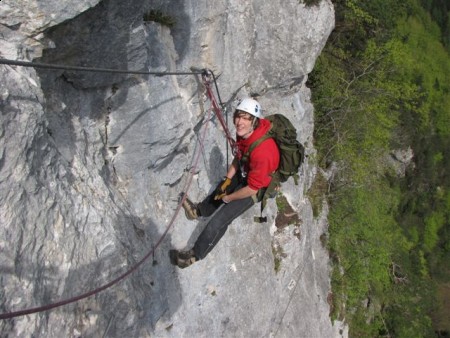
(245, 183)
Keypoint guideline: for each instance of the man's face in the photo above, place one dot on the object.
(243, 123)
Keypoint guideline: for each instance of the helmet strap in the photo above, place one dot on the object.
(255, 119)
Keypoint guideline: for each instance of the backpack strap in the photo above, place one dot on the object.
(271, 190)
(246, 156)
(264, 194)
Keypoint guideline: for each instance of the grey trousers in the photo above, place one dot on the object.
(219, 222)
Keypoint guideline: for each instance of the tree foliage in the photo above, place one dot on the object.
(381, 84)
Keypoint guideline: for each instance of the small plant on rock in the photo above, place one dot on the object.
(159, 17)
(278, 255)
(317, 193)
(310, 3)
(286, 215)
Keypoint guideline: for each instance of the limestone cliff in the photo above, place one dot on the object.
(92, 164)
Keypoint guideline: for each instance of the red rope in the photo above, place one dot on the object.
(47, 307)
(217, 111)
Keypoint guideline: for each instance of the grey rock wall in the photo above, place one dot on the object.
(92, 164)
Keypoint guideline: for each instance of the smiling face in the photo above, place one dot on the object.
(244, 123)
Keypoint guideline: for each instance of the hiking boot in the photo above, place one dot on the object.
(182, 259)
(190, 209)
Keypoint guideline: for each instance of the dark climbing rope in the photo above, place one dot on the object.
(196, 158)
(206, 74)
(89, 69)
(217, 88)
(223, 108)
(47, 307)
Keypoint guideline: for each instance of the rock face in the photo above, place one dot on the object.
(92, 165)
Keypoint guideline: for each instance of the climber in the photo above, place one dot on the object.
(243, 185)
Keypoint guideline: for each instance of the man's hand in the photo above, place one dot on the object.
(221, 189)
(242, 193)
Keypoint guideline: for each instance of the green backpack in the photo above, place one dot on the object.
(292, 155)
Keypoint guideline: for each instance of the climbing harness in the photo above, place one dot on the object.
(206, 75)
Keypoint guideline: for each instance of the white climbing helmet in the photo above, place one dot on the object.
(250, 106)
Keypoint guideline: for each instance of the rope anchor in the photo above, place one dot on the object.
(206, 76)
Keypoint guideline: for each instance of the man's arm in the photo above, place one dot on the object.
(244, 192)
(233, 168)
(240, 194)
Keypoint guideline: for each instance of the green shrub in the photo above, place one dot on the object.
(376, 87)
(310, 3)
(317, 193)
(159, 17)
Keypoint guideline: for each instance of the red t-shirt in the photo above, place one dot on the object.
(264, 159)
